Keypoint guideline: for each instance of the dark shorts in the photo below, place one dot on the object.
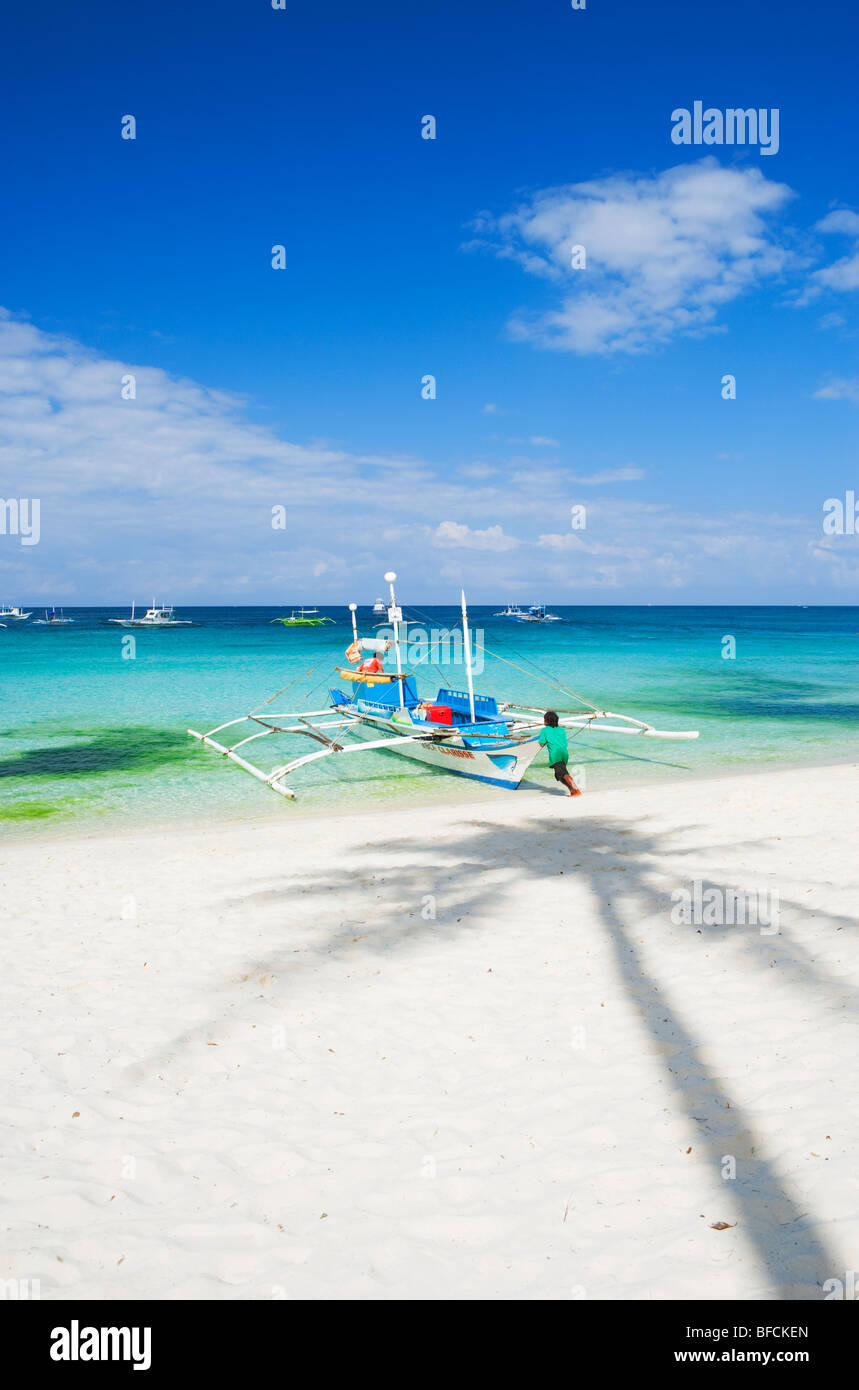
(560, 771)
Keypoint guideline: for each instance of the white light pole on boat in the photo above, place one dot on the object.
(467, 645)
(394, 616)
(352, 607)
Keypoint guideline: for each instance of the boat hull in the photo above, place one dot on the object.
(502, 766)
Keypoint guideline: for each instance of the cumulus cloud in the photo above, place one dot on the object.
(840, 220)
(843, 274)
(664, 252)
(455, 534)
(839, 389)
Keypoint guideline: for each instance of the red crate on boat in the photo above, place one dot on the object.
(439, 714)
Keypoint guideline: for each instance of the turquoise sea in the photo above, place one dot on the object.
(92, 738)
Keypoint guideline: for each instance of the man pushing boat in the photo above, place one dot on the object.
(554, 740)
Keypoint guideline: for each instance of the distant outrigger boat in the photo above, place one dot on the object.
(379, 607)
(536, 614)
(471, 735)
(52, 618)
(511, 611)
(158, 616)
(16, 615)
(305, 617)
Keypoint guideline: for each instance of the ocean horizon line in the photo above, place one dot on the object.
(428, 603)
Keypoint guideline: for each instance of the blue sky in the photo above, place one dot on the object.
(300, 388)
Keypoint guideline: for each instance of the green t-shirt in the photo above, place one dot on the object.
(555, 740)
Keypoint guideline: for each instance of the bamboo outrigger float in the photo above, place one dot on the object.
(471, 735)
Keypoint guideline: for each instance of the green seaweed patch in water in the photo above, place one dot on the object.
(136, 749)
(33, 810)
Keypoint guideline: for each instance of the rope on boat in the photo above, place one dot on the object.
(531, 674)
(552, 684)
(277, 693)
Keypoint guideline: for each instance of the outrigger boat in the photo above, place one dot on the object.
(52, 619)
(159, 615)
(536, 614)
(305, 617)
(462, 732)
(13, 614)
(511, 611)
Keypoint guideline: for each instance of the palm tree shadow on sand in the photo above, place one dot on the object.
(786, 1240)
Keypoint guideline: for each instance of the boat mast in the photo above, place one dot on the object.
(352, 607)
(394, 616)
(467, 645)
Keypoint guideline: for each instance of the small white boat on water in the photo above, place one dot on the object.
(158, 616)
(511, 611)
(457, 730)
(536, 614)
(53, 618)
(379, 607)
(13, 614)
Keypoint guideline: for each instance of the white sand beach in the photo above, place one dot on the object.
(458, 1053)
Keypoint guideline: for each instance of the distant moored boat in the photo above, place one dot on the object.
(53, 618)
(159, 615)
(304, 617)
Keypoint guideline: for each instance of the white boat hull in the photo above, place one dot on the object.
(503, 767)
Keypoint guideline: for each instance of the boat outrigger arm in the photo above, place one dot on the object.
(274, 779)
(589, 723)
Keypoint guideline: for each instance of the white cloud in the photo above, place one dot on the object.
(841, 220)
(611, 475)
(175, 488)
(664, 253)
(839, 389)
(568, 540)
(453, 533)
(172, 493)
(842, 274)
(479, 472)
